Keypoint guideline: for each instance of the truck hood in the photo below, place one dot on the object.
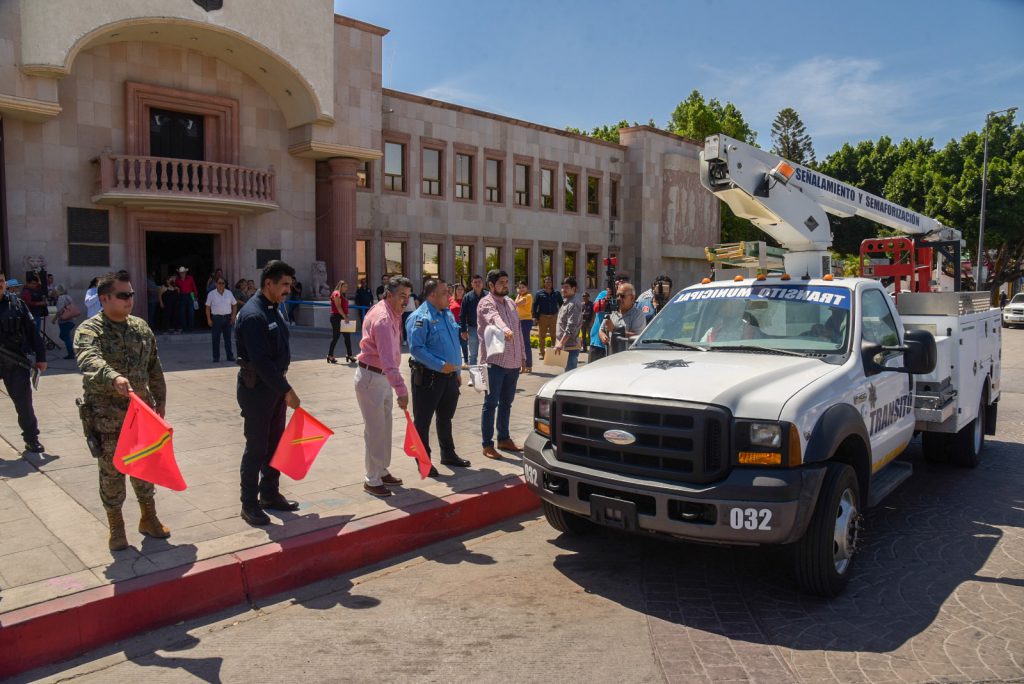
(748, 384)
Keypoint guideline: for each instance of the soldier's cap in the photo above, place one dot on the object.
(182, 269)
(13, 282)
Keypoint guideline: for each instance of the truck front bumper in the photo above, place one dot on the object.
(750, 506)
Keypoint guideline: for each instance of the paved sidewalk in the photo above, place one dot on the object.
(53, 535)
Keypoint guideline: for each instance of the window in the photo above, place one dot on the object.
(362, 261)
(263, 256)
(463, 176)
(394, 258)
(593, 195)
(394, 167)
(431, 261)
(363, 175)
(492, 180)
(431, 172)
(463, 264)
(593, 259)
(570, 263)
(878, 324)
(572, 182)
(492, 258)
(614, 199)
(522, 265)
(89, 237)
(547, 193)
(547, 258)
(522, 185)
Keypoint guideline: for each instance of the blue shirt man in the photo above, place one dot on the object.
(436, 365)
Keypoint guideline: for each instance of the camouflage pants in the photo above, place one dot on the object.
(112, 490)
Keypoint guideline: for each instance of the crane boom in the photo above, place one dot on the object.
(791, 202)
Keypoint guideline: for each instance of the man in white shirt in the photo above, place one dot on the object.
(221, 306)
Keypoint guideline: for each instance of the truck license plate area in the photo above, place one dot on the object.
(613, 512)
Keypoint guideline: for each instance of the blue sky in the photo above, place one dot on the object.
(853, 70)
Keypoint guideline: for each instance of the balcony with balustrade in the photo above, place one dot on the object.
(160, 183)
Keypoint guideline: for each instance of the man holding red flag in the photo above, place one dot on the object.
(118, 356)
(377, 375)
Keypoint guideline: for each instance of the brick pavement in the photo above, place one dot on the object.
(53, 527)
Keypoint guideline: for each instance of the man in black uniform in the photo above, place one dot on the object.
(261, 336)
(18, 334)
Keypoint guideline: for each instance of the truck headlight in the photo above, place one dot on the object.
(766, 434)
(542, 416)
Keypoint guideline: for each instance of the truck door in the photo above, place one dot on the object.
(889, 407)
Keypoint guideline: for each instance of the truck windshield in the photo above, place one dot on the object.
(804, 318)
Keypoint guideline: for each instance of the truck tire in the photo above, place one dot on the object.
(971, 440)
(564, 521)
(824, 555)
(937, 447)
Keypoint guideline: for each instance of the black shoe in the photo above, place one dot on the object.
(254, 516)
(34, 446)
(279, 503)
(231, 358)
(455, 462)
(433, 472)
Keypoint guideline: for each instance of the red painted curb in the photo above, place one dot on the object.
(68, 626)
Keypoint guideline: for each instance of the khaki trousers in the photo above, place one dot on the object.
(375, 397)
(545, 329)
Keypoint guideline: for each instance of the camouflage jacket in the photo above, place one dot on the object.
(106, 350)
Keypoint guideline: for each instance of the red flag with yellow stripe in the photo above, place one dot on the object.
(301, 442)
(144, 447)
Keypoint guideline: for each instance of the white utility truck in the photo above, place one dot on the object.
(770, 410)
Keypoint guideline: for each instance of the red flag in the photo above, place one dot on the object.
(414, 446)
(144, 448)
(299, 445)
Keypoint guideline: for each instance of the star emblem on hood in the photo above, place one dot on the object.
(665, 364)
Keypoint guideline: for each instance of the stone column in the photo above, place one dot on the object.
(341, 224)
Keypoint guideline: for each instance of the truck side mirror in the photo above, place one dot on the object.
(868, 352)
(920, 356)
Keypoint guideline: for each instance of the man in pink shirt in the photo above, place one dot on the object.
(378, 373)
(497, 310)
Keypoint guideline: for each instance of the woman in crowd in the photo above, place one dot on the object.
(524, 307)
(339, 313)
(455, 304)
(169, 297)
(67, 312)
(241, 292)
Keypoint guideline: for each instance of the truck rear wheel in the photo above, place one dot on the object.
(564, 521)
(824, 555)
(971, 440)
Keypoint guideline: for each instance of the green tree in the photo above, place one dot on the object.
(791, 139)
(608, 132)
(696, 119)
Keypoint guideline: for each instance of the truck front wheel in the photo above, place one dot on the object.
(824, 555)
(563, 521)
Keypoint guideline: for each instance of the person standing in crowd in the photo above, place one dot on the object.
(169, 296)
(651, 301)
(597, 348)
(546, 304)
(221, 307)
(67, 312)
(18, 335)
(188, 297)
(587, 307)
(1002, 300)
(468, 318)
(51, 290)
(293, 300)
(211, 281)
(34, 296)
(503, 369)
(92, 299)
(250, 289)
(364, 300)
(117, 355)
(524, 307)
(436, 376)
(339, 313)
(378, 374)
(626, 323)
(382, 288)
(455, 306)
(263, 392)
(241, 292)
(152, 299)
(567, 329)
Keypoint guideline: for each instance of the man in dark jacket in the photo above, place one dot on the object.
(467, 317)
(18, 334)
(546, 304)
(364, 298)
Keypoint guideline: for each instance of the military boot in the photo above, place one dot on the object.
(118, 539)
(149, 524)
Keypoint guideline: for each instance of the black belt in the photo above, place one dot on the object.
(372, 369)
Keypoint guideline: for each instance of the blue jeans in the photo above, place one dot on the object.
(526, 326)
(65, 334)
(474, 345)
(221, 326)
(501, 390)
(573, 359)
(186, 314)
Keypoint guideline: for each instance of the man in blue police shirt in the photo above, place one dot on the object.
(436, 359)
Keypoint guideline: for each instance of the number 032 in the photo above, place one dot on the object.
(750, 518)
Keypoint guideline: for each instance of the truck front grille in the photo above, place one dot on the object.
(675, 440)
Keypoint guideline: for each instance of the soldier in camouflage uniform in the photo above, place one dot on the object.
(117, 354)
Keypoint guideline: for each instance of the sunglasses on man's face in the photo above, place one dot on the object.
(124, 295)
